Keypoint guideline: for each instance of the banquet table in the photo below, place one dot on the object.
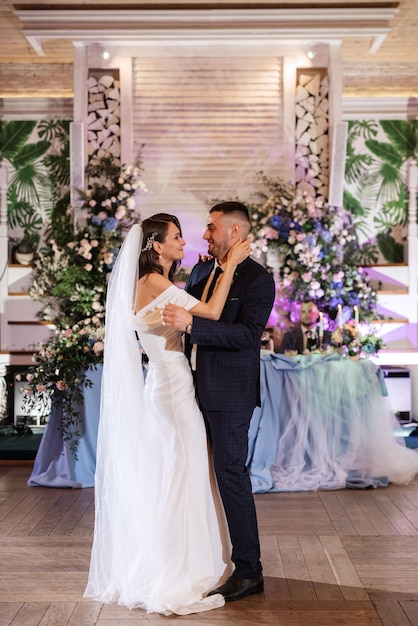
(324, 423)
(55, 464)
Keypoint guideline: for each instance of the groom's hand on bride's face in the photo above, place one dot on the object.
(175, 316)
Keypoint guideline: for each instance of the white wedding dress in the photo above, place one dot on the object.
(157, 541)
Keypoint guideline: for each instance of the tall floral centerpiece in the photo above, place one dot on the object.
(70, 279)
(314, 251)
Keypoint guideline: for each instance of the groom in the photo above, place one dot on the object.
(227, 377)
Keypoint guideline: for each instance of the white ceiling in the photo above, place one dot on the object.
(377, 39)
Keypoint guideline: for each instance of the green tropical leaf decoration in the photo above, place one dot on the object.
(356, 165)
(27, 182)
(391, 250)
(58, 166)
(31, 223)
(15, 216)
(382, 185)
(384, 151)
(365, 255)
(54, 129)
(392, 213)
(30, 153)
(13, 136)
(362, 128)
(24, 217)
(388, 176)
(402, 136)
(352, 204)
(392, 183)
(39, 171)
(61, 228)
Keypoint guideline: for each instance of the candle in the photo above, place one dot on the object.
(321, 325)
(340, 317)
(356, 315)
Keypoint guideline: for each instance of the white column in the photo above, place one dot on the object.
(77, 167)
(289, 117)
(335, 77)
(78, 138)
(413, 251)
(4, 260)
(126, 138)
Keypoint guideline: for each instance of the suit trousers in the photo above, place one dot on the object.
(228, 434)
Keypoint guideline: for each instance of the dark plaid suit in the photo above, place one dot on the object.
(228, 389)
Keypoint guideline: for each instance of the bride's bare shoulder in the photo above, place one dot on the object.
(154, 282)
(150, 287)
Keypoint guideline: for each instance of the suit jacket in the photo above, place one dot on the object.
(293, 340)
(228, 351)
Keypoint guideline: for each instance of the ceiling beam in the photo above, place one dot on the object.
(229, 26)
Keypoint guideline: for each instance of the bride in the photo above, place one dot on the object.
(157, 542)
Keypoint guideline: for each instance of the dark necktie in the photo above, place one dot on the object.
(310, 339)
(218, 271)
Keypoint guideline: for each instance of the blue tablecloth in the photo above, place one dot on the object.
(55, 464)
(323, 424)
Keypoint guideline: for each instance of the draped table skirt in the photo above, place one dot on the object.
(55, 464)
(325, 423)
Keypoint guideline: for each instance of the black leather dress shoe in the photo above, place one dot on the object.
(237, 588)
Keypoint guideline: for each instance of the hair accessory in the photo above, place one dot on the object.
(150, 242)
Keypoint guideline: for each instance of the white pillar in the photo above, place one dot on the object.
(126, 139)
(78, 136)
(77, 167)
(413, 251)
(4, 258)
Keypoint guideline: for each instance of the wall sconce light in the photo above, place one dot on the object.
(311, 54)
(105, 55)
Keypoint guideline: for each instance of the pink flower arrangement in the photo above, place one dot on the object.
(70, 279)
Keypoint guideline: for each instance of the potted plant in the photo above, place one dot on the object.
(25, 247)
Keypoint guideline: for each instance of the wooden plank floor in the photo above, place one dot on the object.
(342, 557)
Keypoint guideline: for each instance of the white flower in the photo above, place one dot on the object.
(130, 203)
(121, 212)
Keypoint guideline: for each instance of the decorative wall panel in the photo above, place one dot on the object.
(312, 131)
(103, 121)
(207, 125)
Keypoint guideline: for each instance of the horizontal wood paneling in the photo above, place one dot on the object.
(207, 125)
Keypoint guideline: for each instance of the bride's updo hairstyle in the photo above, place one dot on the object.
(155, 228)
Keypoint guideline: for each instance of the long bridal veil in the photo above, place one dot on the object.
(123, 491)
